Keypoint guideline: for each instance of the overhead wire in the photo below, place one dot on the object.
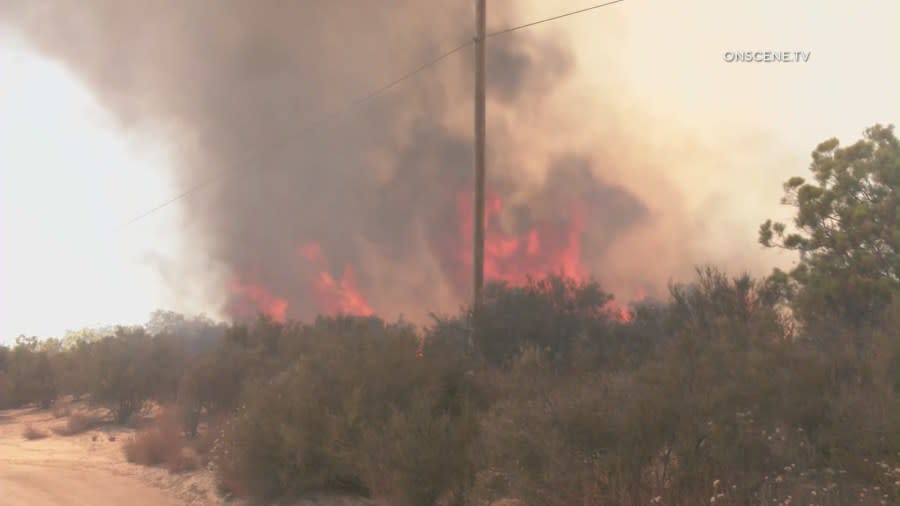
(553, 18)
(356, 103)
(308, 128)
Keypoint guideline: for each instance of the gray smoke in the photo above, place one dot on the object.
(233, 86)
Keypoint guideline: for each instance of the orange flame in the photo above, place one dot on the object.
(334, 295)
(626, 315)
(253, 299)
(549, 246)
(512, 257)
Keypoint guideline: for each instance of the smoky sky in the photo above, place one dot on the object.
(234, 86)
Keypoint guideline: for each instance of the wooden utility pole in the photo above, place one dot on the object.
(478, 239)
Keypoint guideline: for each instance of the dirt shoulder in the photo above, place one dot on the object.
(87, 468)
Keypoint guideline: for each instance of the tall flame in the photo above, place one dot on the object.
(626, 314)
(250, 298)
(547, 246)
(334, 295)
(511, 257)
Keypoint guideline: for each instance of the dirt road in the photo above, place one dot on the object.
(45, 484)
(88, 469)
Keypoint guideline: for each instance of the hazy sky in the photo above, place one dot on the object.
(69, 176)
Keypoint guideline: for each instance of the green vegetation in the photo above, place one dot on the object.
(847, 234)
(733, 390)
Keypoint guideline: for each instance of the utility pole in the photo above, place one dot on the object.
(478, 239)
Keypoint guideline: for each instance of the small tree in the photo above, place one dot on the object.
(846, 232)
(30, 376)
(212, 384)
(123, 377)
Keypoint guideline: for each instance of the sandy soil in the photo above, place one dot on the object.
(90, 469)
(86, 469)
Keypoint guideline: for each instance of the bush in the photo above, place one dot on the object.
(162, 445)
(330, 421)
(187, 459)
(31, 433)
(549, 314)
(78, 423)
(712, 393)
(151, 447)
(211, 386)
(28, 376)
(726, 406)
(61, 408)
(425, 453)
(130, 369)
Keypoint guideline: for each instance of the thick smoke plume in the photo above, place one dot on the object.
(370, 212)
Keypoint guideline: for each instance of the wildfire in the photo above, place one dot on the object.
(546, 247)
(334, 295)
(626, 315)
(252, 299)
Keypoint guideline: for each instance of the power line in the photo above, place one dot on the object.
(307, 129)
(554, 18)
(411, 73)
(172, 200)
(353, 104)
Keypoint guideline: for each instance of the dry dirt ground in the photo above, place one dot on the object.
(86, 469)
(90, 469)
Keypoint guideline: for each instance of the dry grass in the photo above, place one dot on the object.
(162, 445)
(78, 423)
(185, 460)
(31, 433)
(61, 408)
(207, 437)
(152, 447)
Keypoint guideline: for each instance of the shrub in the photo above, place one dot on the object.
(78, 423)
(549, 314)
(726, 406)
(162, 445)
(130, 369)
(206, 438)
(279, 445)
(211, 386)
(710, 394)
(425, 452)
(151, 447)
(187, 459)
(31, 433)
(61, 408)
(28, 376)
(358, 412)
